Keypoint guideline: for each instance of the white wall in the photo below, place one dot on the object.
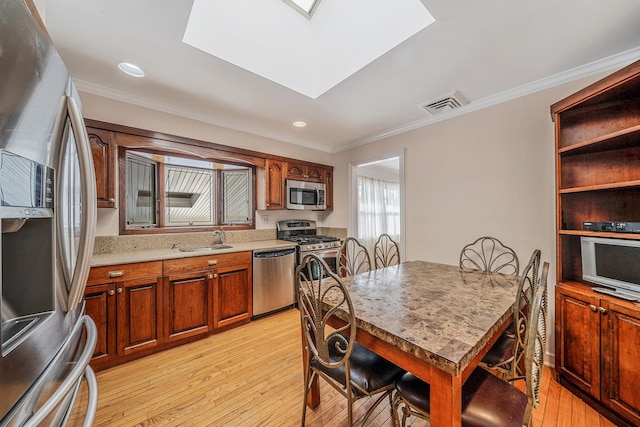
(489, 172)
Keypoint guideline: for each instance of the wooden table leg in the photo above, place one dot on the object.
(446, 399)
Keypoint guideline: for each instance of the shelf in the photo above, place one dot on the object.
(628, 185)
(610, 141)
(586, 233)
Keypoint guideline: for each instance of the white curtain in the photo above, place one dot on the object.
(378, 210)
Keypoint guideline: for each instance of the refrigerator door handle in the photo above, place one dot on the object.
(73, 378)
(92, 396)
(89, 206)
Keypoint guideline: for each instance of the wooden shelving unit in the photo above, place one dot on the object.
(597, 179)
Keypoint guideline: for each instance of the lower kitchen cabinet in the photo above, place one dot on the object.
(125, 302)
(597, 344)
(232, 294)
(188, 307)
(141, 308)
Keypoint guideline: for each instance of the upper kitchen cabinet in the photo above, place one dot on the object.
(305, 172)
(275, 184)
(104, 153)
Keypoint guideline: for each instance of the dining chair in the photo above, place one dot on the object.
(353, 258)
(490, 255)
(486, 399)
(333, 354)
(505, 357)
(386, 251)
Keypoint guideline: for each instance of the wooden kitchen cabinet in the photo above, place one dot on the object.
(188, 304)
(597, 179)
(275, 185)
(206, 293)
(125, 303)
(232, 293)
(599, 339)
(304, 172)
(104, 152)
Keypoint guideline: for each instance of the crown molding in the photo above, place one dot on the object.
(607, 64)
(140, 101)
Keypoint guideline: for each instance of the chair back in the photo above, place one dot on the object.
(536, 344)
(353, 258)
(488, 254)
(524, 299)
(386, 252)
(317, 284)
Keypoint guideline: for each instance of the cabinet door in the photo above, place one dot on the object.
(296, 171)
(328, 197)
(100, 305)
(620, 347)
(578, 339)
(315, 174)
(232, 296)
(139, 321)
(275, 185)
(104, 163)
(187, 309)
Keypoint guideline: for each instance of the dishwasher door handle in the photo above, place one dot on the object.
(274, 254)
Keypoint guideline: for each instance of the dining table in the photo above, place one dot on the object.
(434, 320)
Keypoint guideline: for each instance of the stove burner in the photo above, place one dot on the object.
(307, 239)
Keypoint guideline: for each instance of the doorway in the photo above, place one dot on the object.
(377, 202)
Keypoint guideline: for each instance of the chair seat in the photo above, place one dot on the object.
(486, 400)
(501, 351)
(369, 371)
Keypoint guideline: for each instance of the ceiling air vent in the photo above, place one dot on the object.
(442, 105)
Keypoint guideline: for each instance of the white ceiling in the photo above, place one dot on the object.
(488, 51)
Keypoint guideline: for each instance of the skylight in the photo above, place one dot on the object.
(306, 7)
(307, 56)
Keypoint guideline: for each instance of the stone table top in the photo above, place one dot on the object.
(442, 314)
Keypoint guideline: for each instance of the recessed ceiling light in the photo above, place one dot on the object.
(299, 124)
(131, 69)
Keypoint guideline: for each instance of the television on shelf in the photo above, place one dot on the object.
(613, 264)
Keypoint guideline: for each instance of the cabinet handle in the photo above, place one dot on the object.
(212, 262)
(602, 310)
(215, 275)
(112, 292)
(211, 276)
(117, 273)
(119, 290)
(593, 308)
(112, 200)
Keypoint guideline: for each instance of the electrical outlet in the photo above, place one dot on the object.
(265, 218)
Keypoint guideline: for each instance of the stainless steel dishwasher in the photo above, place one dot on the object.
(273, 285)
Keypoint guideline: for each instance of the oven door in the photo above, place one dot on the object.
(330, 256)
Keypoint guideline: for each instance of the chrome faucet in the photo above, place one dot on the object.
(221, 234)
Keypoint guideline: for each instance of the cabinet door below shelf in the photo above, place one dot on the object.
(620, 373)
(578, 339)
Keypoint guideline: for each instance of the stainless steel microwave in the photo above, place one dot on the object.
(304, 195)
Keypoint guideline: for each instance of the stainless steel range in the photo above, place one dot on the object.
(304, 232)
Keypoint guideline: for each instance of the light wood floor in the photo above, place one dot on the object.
(252, 376)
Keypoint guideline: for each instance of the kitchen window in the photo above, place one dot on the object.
(165, 192)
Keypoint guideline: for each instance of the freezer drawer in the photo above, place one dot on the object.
(273, 284)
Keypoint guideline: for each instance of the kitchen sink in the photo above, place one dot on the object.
(206, 248)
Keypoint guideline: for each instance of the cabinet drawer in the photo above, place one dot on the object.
(121, 272)
(206, 262)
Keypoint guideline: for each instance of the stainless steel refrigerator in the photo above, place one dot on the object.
(48, 212)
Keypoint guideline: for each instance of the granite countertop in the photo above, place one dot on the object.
(441, 314)
(142, 255)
